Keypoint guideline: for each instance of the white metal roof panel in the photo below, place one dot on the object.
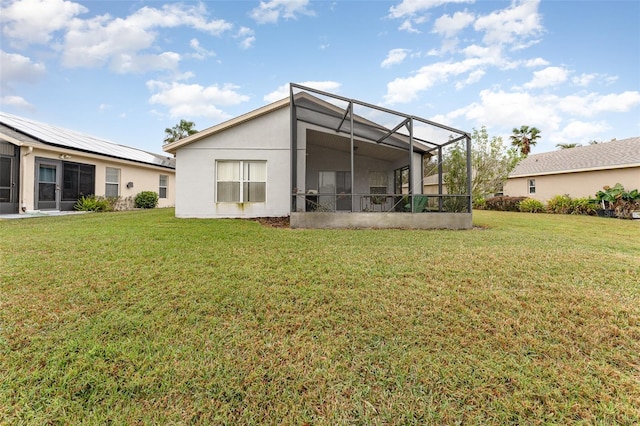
(70, 139)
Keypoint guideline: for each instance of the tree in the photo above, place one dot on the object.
(524, 138)
(491, 163)
(567, 145)
(179, 131)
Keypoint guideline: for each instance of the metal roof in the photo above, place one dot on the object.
(608, 155)
(57, 136)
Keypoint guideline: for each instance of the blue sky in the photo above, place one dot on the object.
(126, 70)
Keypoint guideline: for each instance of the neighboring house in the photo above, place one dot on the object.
(578, 172)
(315, 162)
(43, 167)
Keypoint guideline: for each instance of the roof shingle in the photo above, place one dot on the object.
(614, 154)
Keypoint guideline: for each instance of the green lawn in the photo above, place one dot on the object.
(141, 318)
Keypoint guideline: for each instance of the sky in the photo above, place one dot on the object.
(126, 70)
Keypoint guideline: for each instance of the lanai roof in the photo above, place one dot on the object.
(27, 131)
(609, 155)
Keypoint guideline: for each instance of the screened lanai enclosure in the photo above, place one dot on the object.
(349, 156)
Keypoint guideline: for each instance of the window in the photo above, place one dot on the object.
(112, 182)
(77, 180)
(241, 181)
(378, 182)
(532, 186)
(162, 190)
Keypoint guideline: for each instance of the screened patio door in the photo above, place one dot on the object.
(48, 185)
(339, 185)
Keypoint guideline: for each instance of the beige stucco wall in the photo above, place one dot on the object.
(144, 177)
(579, 184)
(264, 138)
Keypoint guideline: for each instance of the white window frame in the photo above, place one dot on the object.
(531, 183)
(241, 181)
(112, 183)
(165, 186)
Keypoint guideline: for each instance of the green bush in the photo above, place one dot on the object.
(584, 206)
(146, 200)
(531, 206)
(505, 204)
(480, 203)
(560, 204)
(91, 203)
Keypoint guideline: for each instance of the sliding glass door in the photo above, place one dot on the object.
(336, 185)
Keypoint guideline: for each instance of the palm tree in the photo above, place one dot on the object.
(524, 138)
(567, 145)
(179, 131)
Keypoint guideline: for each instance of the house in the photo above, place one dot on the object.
(315, 158)
(43, 167)
(578, 172)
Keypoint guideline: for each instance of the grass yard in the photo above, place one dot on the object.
(141, 318)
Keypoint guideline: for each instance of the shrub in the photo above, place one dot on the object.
(584, 206)
(480, 203)
(146, 200)
(560, 204)
(505, 204)
(531, 206)
(91, 203)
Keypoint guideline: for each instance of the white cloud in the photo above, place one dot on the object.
(408, 27)
(449, 26)
(283, 91)
(269, 12)
(395, 56)
(105, 40)
(473, 77)
(194, 100)
(584, 79)
(16, 101)
(139, 64)
(512, 25)
(510, 109)
(592, 104)
(246, 36)
(201, 52)
(560, 118)
(536, 62)
(404, 90)
(550, 76)
(415, 12)
(412, 7)
(18, 69)
(33, 21)
(576, 131)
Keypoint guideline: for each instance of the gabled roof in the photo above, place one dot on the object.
(609, 155)
(314, 110)
(27, 132)
(173, 146)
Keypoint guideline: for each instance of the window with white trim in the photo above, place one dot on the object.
(241, 181)
(112, 182)
(532, 186)
(162, 189)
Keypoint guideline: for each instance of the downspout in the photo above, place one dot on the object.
(23, 205)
